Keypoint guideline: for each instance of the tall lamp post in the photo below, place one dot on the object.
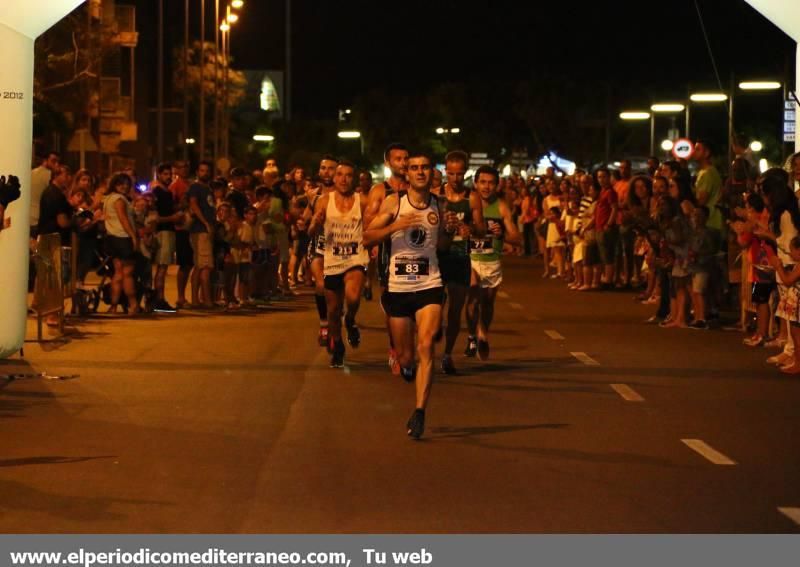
(662, 108)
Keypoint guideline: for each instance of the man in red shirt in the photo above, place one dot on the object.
(605, 223)
(626, 235)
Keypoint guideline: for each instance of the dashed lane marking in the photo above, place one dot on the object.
(555, 335)
(516, 306)
(503, 295)
(708, 452)
(627, 393)
(792, 513)
(585, 358)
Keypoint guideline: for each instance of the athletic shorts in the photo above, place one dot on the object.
(761, 292)
(183, 249)
(490, 274)
(406, 304)
(699, 282)
(455, 269)
(336, 281)
(166, 247)
(203, 250)
(119, 248)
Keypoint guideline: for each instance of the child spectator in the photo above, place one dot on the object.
(702, 246)
(789, 306)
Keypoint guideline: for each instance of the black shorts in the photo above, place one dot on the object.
(761, 292)
(455, 269)
(336, 282)
(406, 305)
(183, 249)
(119, 248)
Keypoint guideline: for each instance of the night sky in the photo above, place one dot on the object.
(343, 48)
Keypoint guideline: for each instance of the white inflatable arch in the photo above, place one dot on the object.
(785, 14)
(21, 21)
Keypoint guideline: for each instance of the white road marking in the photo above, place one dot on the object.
(708, 452)
(555, 335)
(585, 358)
(792, 513)
(516, 306)
(628, 394)
(503, 295)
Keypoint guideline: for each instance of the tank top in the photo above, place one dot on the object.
(413, 265)
(463, 210)
(344, 237)
(489, 247)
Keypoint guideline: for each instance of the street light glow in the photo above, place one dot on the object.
(756, 146)
(237, 4)
(759, 85)
(349, 134)
(667, 145)
(233, 18)
(634, 115)
(763, 165)
(190, 141)
(440, 130)
(455, 130)
(667, 107)
(263, 138)
(224, 26)
(709, 97)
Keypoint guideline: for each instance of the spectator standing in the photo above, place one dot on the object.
(201, 233)
(121, 241)
(168, 215)
(40, 180)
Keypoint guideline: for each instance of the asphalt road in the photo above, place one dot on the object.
(583, 420)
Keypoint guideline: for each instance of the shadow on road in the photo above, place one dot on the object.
(53, 460)
(463, 432)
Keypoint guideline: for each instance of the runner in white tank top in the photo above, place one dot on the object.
(341, 213)
(417, 226)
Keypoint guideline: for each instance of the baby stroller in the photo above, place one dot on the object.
(88, 300)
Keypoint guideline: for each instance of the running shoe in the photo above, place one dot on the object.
(394, 365)
(353, 334)
(323, 336)
(163, 307)
(408, 374)
(699, 325)
(337, 355)
(416, 424)
(472, 347)
(483, 350)
(447, 365)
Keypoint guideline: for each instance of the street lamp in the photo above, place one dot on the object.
(662, 108)
(352, 135)
(708, 97)
(759, 85)
(263, 138)
(440, 131)
(756, 146)
(667, 145)
(232, 18)
(224, 26)
(237, 4)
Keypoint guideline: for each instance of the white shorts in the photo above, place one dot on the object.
(166, 248)
(579, 251)
(490, 274)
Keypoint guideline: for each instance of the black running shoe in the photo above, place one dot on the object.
(416, 424)
(472, 347)
(162, 306)
(353, 334)
(447, 365)
(483, 350)
(337, 355)
(409, 374)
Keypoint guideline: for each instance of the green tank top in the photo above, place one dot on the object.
(489, 248)
(462, 208)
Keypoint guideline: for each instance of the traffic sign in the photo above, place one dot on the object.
(683, 148)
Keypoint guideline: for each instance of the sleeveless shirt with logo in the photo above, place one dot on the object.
(344, 237)
(413, 264)
(489, 247)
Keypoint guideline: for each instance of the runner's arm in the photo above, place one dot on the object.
(376, 197)
(479, 225)
(385, 223)
(318, 220)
